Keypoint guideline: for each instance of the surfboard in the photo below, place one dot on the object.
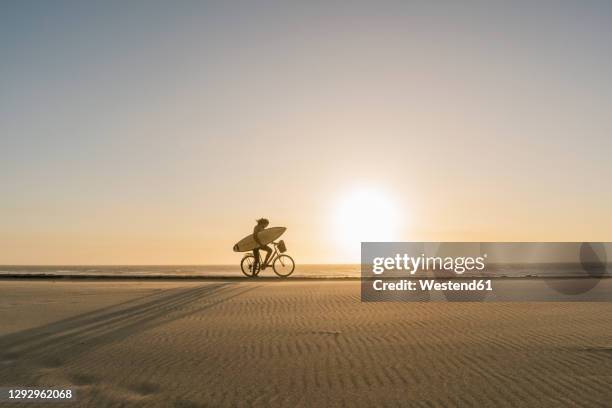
(265, 236)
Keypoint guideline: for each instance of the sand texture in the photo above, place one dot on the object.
(193, 344)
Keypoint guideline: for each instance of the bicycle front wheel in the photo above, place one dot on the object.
(283, 266)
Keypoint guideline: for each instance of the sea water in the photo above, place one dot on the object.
(303, 271)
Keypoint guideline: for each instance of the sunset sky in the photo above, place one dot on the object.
(157, 132)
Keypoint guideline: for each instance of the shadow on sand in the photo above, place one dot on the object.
(50, 345)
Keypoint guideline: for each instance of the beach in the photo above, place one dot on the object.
(174, 343)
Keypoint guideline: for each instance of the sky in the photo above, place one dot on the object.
(149, 132)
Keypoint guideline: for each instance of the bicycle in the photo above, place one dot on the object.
(282, 264)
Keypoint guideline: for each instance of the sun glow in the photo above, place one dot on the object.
(364, 215)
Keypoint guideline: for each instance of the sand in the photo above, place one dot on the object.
(284, 343)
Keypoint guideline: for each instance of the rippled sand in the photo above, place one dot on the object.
(191, 344)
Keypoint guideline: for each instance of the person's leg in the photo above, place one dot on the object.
(268, 253)
(256, 263)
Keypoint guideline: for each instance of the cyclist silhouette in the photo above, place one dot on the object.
(262, 223)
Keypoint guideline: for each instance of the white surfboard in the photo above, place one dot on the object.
(265, 236)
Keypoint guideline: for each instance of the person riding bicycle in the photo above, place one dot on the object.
(262, 223)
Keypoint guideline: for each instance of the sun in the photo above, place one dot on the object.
(364, 215)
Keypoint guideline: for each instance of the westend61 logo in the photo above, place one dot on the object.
(412, 264)
(485, 271)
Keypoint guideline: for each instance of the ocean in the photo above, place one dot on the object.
(311, 271)
(301, 271)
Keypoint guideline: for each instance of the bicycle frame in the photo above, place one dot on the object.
(275, 254)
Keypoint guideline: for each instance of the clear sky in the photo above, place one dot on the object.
(147, 132)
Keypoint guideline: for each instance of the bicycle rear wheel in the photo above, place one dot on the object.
(283, 266)
(248, 266)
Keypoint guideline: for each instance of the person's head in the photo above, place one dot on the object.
(263, 222)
